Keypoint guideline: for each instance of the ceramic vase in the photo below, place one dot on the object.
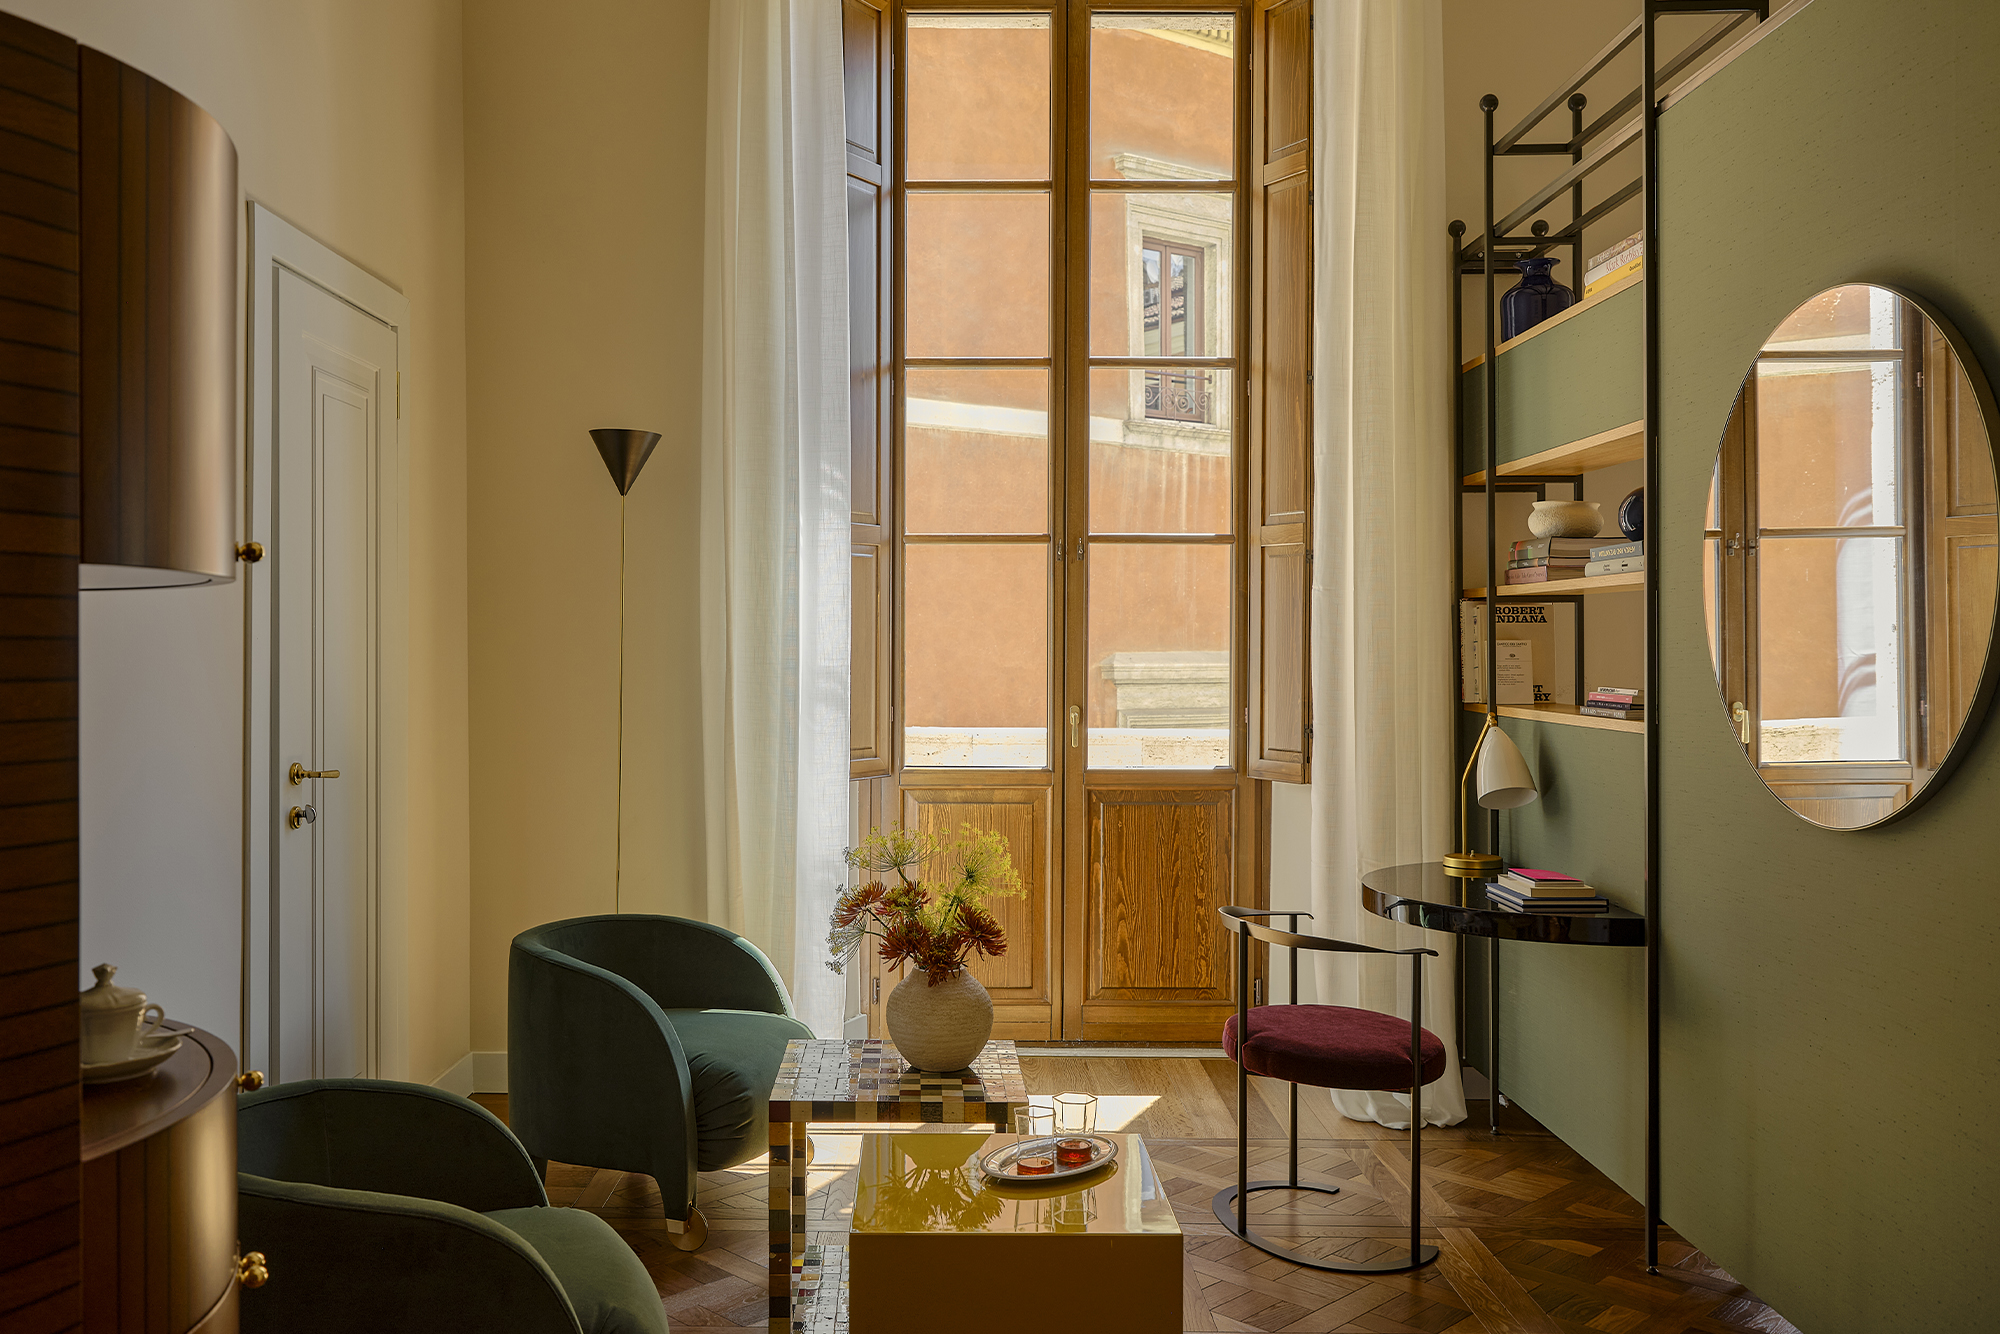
(938, 1029)
(1532, 300)
(1565, 518)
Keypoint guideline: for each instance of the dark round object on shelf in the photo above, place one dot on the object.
(1632, 515)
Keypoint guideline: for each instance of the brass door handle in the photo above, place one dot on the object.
(251, 1271)
(1075, 726)
(301, 816)
(1742, 717)
(250, 1081)
(299, 773)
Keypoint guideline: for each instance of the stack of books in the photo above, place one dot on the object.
(1539, 559)
(1525, 890)
(1615, 558)
(1620, 261)
(1615, 702)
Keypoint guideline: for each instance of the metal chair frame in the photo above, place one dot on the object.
(1228, 1204)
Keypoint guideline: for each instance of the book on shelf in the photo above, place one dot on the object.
(1545, 884)
(1501, 897)
(1531, 547)
(1623, 692)
(1616, 565)
(1614, 550)
(1537, 574)
(1608, 266)
(1636, 713)
(1549, 630)
(1553, 562)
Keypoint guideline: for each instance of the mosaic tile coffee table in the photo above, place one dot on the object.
(863, 1080)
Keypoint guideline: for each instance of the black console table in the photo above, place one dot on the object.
(1422, 894)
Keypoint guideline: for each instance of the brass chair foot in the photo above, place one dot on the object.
(693, 1234)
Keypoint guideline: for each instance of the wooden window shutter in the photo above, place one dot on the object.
(1280, 366)
(871, 348)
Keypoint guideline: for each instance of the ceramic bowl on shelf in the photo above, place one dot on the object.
(1565, 518)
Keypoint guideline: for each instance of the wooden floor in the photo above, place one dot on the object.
(1531, 1237)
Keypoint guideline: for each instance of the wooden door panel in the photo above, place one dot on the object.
(1161, 861)
(1018, 979)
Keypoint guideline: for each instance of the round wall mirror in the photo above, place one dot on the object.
(1851, 555)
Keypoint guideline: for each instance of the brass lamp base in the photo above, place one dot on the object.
(1472, 865)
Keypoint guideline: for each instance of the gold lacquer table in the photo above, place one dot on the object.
(931, 1234)
(859, 1081)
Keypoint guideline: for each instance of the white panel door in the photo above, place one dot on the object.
(334, 404)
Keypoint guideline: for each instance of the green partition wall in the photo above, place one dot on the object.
(1831, 1131)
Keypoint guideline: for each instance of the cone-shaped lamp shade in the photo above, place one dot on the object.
(625, 452)
(1504, 780)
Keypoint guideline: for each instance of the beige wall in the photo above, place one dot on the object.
(584, 170)
(347, 119)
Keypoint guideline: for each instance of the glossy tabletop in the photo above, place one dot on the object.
(930, 1183)
(1423, 895)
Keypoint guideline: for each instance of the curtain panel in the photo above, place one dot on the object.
(1383, 593)
(775, 493)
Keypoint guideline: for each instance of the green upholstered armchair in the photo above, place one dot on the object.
(387, 1207)
(644, 1044)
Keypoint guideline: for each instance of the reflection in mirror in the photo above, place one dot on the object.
(1850, 556)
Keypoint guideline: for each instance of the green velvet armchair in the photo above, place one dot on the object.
(644, 1044)
(389, 1207)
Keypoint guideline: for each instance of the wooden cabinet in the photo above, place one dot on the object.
(159, 1197)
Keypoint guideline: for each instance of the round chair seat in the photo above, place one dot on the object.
(1333, 1046)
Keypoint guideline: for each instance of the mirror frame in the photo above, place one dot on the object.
(1971, 725)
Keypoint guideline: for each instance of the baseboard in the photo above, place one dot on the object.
(489, 1072)
(458, 1079)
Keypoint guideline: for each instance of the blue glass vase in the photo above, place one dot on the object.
(1532, 300)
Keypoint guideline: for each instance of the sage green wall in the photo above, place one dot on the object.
(1543, 402)
(1831, 1079)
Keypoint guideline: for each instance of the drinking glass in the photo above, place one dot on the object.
(1034, 1122)
(1076, 1113)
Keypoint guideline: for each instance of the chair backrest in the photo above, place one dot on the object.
(1238, 921)
(681, 963)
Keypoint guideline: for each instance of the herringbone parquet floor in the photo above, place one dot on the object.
(1532, 1239)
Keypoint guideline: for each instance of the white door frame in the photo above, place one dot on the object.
(275, 245)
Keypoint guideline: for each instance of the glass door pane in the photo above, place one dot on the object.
(976, 451)
(1162, 451)
(1158, 669)
(978, 97)
(976, 655)
(1161, 273)
(1162, 96)
(976, 274)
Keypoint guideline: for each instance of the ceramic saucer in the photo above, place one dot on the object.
(151, 1052)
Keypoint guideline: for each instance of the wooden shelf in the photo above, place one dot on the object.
(1620, 444)
(1630, 582)
(1552, 321)
(1565, 715)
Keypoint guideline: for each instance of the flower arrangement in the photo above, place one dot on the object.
(936, 926)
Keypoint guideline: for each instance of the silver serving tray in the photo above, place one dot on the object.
(999, 1164)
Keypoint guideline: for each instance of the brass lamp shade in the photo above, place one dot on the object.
(158, 327)
(625, 452)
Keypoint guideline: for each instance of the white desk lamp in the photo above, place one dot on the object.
(1504, 783)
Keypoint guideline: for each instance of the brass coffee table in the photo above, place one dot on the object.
(859, 1081)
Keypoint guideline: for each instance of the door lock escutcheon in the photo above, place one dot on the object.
(301, 816)
(1742, 716)
(299, 773)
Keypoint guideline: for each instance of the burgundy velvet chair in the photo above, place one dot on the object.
(1326, 1046)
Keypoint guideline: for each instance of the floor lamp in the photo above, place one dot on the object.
(624, 452)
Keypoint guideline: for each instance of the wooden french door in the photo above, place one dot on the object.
(1070, 573)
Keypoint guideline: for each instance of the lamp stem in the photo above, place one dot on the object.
(1464, 806)
(618, 856)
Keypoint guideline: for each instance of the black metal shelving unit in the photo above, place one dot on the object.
(1591, 146)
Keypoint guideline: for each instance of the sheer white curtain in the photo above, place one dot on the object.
(775, 507)
(1383, 687)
